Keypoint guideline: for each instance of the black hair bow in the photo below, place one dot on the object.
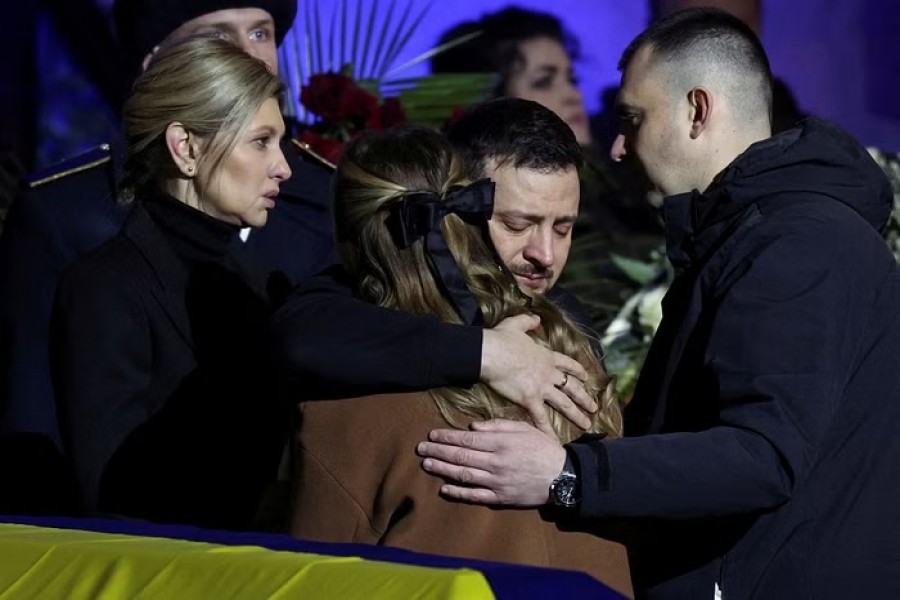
(419, 214)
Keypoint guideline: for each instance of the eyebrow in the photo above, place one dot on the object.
(268, 130)
(234, 27)
(518, 214)
(625, 107)
(541, 70)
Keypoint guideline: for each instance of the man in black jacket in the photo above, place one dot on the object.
(761, 446)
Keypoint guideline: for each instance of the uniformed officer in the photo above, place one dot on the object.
(72, 208)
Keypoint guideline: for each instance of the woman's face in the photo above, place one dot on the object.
(546, 77)
(245, 185)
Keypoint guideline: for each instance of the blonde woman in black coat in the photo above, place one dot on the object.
(166, 404)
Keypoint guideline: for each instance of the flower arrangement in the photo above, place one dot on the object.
(890, 164)
(345, 110)
(347, 80)
(628, 337)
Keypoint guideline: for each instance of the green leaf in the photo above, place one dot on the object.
(636, 270)
(392, 45)
(354, 57)
(401, 44)
(343, 40)
(320, 49)
(435, 51)
(373, 49)
(382, 42)
(361, 64)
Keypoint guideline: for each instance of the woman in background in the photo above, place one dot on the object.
(532, 55)
(166, 403)
(411, 233)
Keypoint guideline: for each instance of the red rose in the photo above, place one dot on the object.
(328, 148)
(455, 114)
(360, 106)
(322, 95)
(392, 113)
(336, 98)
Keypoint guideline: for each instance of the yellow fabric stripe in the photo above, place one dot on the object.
(39, 562)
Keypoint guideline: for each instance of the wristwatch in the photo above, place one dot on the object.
(565, 490)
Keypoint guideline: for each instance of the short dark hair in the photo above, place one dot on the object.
(513, 131)
(689, 37)
(496, 48)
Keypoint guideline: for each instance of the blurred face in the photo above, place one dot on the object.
(531, 227)
(245, 185)
(546, 77)
(651, 132)
(251, 29)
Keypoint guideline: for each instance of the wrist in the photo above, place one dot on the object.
(565, 491)
(488, 352)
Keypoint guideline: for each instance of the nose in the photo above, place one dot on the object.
(246, 45)
(617, 151)
(573, 95)
(539, 249)
(280, 170)
(256, 50)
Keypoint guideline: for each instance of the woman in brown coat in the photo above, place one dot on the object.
(412, 233)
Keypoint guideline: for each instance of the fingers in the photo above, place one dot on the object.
(502, 425)
(574, 389)
(563, 404)
(569, 365)
(466, 494)
(465, 476)
(485, 442)
(524, 322)
(456, 457)
(540, 418)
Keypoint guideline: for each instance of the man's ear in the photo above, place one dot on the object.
(183, 148)
(701, 102)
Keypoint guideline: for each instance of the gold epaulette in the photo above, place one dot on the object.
(309, 152)
(84, 161)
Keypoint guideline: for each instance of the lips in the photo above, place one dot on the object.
(270, 198)
(535, 282)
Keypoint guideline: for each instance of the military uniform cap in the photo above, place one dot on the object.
(142, 24)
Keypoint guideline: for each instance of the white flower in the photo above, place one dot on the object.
(649, 308)
(621, 325)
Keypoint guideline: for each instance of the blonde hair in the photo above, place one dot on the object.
(212, 87)
(377, 170)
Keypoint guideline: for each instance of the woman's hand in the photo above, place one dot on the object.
(529, 375)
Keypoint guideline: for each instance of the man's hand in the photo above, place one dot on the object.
(500, 462)
(529, 375)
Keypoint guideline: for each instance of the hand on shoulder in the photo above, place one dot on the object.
(529, 375)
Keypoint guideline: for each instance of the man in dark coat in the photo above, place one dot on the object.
(72, 208)
(761, 451)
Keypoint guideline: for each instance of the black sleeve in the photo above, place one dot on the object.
(333, 344)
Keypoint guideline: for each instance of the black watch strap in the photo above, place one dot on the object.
(565, 491)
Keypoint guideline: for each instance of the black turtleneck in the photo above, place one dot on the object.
(195, 236)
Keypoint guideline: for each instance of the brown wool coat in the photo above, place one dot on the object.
(359, 480)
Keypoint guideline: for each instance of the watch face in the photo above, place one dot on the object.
(565, 490)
